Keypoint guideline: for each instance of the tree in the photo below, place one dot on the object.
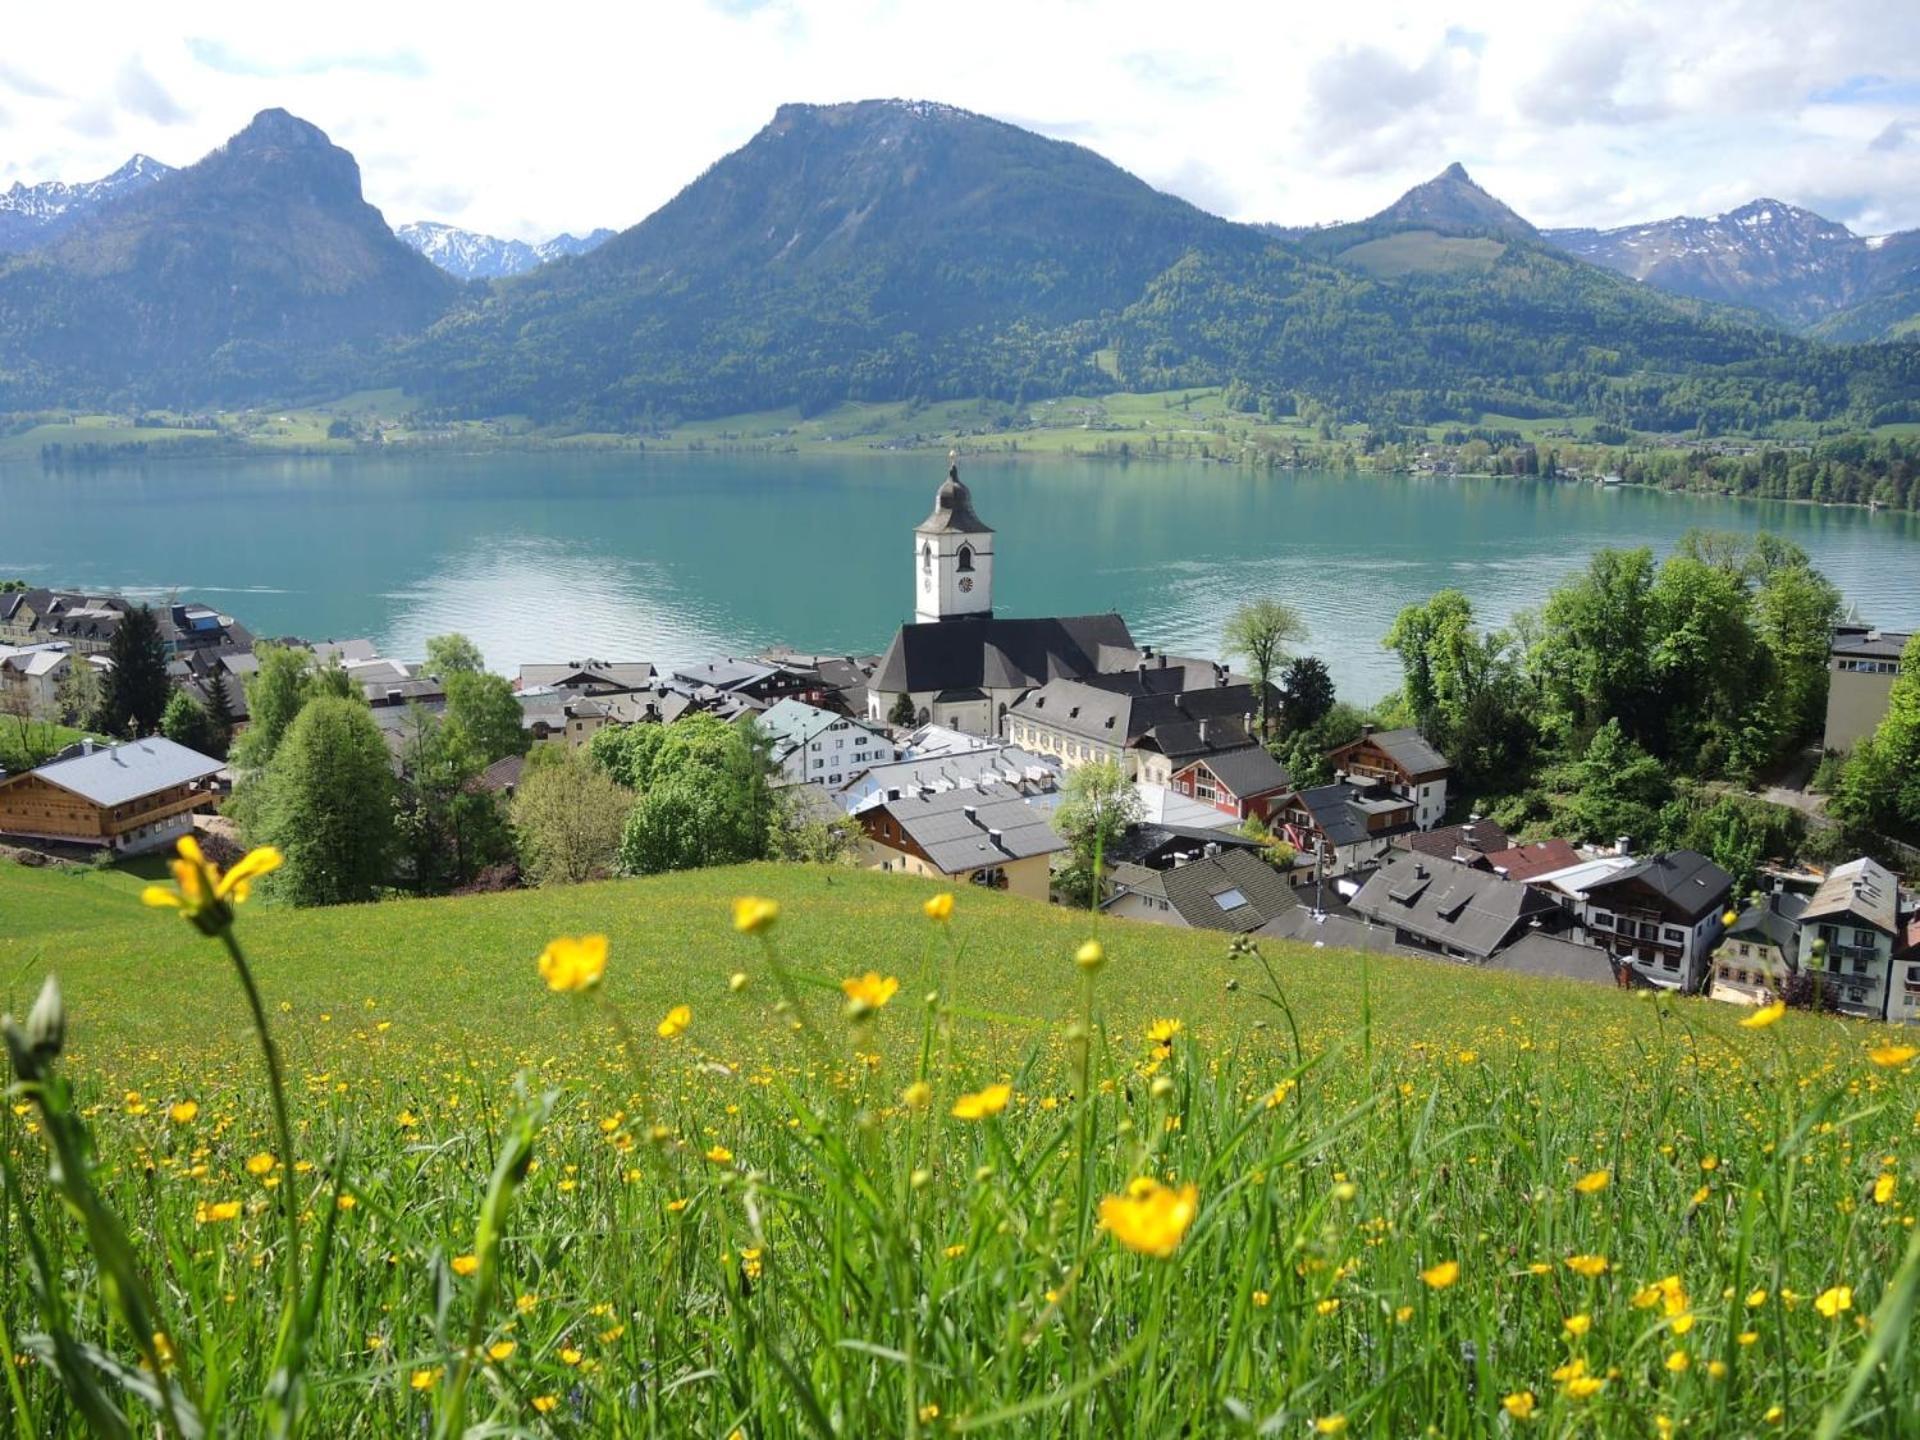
(1711, 671)
(79, 694)
(26, 739)
(1615, 788)
(626, 752)
(708, 801)
(1097, 805)
(1594, 661)
(902, 713)
(450, 655)
(186, 723)
(1306, 693)
(1794, 611)
(568, 819)
(137, 685)
(446, 829)
(1261, 632)
(329, 805)
(487, 713)
(806, 837)
(220, 707)
(278, 687)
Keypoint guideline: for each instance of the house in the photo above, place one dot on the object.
(588, 677)
(990, 834)
(1530, 861)
(1137, 719)
(1031, 775)
(753, 680)
(1862, 664)
(1346, 824)
(1556, 957)
(842, 679)
(1243, 784)
(1405, 763)
(1760, 951)
(926, 741)
(502, 777)
(128, 798)
(559, 716)
(1158, 846)
(957, 663)
(1227, 889)
(821, 746)
(30, 676)
(86, 622)
(1567, 887)
(1446, 908)
(1661, 916)
(1474, 836)
(1849, 932)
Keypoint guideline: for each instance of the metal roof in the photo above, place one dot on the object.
(113, 775)
(958, 841)
(1862, 890)
(1448, 904)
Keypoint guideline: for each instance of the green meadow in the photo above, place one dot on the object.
(1199, 1190)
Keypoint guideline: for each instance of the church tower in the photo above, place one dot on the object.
(952, 557)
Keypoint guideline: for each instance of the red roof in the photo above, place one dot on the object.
(1542, 857)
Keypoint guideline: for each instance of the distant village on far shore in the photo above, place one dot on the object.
(951, 750)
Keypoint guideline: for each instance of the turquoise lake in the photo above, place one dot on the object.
(682, 557)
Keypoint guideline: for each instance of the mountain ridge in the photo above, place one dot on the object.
(31, 215)
(475, 255)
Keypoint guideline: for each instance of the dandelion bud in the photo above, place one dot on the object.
(1090, 956)
(37, 1044)
(738, 982)
(920, 1179)
(983, 1174)
(1162, 1087)
(1077, 1033)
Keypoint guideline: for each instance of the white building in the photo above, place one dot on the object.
(816, 746)
(1849, 933)
(30, 675)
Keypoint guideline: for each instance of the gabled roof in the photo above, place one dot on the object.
(611, 674)
(1688, 880)
(1862, 891)
(791, 723)
(1530, 861)
(1465, 909)
(1234, 890)
(1774, 921)
(1181, 741)
(113, 775)
(1537, 954)
(1029, 773)
(1407, 748)
(1480, 836)
(1248, 771)
(957, 842)
(1126, 709)
(996, 653)
(727, 674)
(1147, 842)
(1340, 812)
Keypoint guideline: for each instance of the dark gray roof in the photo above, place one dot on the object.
(1234, 890)
(1335, 931)
(1453, 905)
(113, 775)
(588, 674)
(728, 674)
(1538, 954)
(1691, 882)
(1407, 748)
(1250, 770)
(1151, 842)
(1003, 654)
(956, 841)
(1182, 743)
(953, 509)
(1480, 836)
(1774, 921)
(1340, 812)
(1126, 708)
(1863, 643)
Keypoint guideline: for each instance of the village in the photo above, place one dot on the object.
(949, 753)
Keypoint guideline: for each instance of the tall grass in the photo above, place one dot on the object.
(772, 1222)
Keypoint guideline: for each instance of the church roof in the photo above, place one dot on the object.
(953, 510)
(995, 654)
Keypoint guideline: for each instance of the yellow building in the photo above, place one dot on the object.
(987, 833)
(1861, 666)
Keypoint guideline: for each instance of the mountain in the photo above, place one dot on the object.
(31, 215)
(893, 250)
(257, 272)
(469, 255)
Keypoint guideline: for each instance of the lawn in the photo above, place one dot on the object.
(761, 1224)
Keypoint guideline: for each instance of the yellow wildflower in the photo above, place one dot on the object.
(982, 1103)
(217, 1212)
(1585, 1387)
(1439, 1277)
(1150, 1218)
(1590, 1266)
(1519, 1404)
(1330, 1425)
(573, 964)
(676, 1021)
(546, 1404)
(720, 1155)
(261, 1164)
(751, 914)
(425, 1379)
(204, 895)
(1765, 1015)
(1593, 1182)
(1577, 1325)
(500, 1349)
(868, 992)
(1161, 1032)
(1831, 1302)
(939, 907)
(465, 1264)
(1884, 1187)
(917, 1095)
(1090, 956)
(1678, 1361)
(1890, 1057)
(184, 1112)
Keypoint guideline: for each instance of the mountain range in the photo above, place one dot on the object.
(901, 249)
(471, 255)
(31, 215)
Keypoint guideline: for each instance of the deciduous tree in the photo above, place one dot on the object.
(329, 805)
(1262, 632)
(568, 820)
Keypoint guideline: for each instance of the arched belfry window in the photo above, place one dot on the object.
(926, 556)
(966, 558)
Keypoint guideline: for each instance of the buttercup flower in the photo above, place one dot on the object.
(1590, 1266)
(677, 1020)
(751, 914)
(1519, 1404)
(1593, 1182)
(1891, 1057)
(1831, 1302)
(982, 1103)
(939, 907)
(1150, 1218)
(1439, 1277)
(204, 895)
(1765, 1015)
(868, 992)
(571, 965)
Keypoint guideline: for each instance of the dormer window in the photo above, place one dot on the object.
(966, 558)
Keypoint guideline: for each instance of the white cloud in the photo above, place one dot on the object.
(1583, 112)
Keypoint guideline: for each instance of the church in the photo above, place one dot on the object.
(960, 665)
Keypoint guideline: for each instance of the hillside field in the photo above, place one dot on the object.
(748, 1228)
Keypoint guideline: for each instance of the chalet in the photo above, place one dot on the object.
(1405, 763)
(1849, 932)
(958, 663)
(1227, 889)
(1862, 664)
(1343, 825)
(1532, 860)
(1243, 784)
(128, 798)
(1760, 951)
(821, 746)
(751, 680)
(989, 834)
(1160, 845)
(1660, 916)
(1008, 765)
(30, 676)
(588, 677)
(1473, 837)
(1450, 909)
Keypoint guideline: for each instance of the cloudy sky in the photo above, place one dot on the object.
(573, 115)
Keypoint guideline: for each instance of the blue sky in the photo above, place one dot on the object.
(567, 117)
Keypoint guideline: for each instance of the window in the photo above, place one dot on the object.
(966, 558)
(1602, 920)
(926, 557)
(1678, 937)
(1230, 899)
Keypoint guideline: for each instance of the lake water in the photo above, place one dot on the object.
(670, 558)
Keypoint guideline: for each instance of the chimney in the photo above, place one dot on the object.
(1163, 662)
(1203, 732)
(993, 836)
(1623, 844)
(1366, 730)
(1419, 869)
(971, 812)
(86, 745)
